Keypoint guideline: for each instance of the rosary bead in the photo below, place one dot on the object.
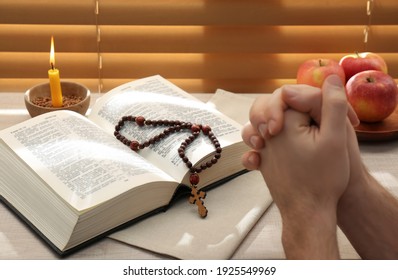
(140, 120)
(194, 179)
(134, 145)
(206, 129)
(195, 128)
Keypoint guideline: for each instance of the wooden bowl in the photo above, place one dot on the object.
(68, 89)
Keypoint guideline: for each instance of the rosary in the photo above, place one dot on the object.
(196, 196)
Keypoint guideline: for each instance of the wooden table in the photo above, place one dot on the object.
(18, 241)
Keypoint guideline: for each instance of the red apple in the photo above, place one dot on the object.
(358, 62)
(314, 71)
(373, 95)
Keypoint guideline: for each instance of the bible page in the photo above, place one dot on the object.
(155, 98)
(82, 163)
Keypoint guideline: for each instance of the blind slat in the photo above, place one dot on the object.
(36, 38)
(220, 66)
(227, 12)
(196, 12)
(261, 39)
(36, 65)
(195, 39)
(47, 12)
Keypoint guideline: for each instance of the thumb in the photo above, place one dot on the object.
(334, 108)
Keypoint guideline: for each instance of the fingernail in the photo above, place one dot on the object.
(334, 80)
(253, 161)
(253, 142)
(263, 129)
(271, 127)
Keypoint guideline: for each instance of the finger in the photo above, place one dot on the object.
(251, 137)
(296, 121)
(334, 108)
(251, 160)
(305, 99)
(266, 114)
(352, 116)
(309, 99)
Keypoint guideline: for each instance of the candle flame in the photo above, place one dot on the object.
(52, 54)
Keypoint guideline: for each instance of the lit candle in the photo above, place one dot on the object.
(55, 83)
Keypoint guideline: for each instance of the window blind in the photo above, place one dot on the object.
(200, 45)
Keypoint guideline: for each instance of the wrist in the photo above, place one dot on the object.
(367, 215)
(310, 235)
(353, 195)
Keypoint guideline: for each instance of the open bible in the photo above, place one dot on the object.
(72, 181)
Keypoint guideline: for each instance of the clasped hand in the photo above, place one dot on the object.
(306, 149)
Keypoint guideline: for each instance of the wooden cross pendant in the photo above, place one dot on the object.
(196, 198)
